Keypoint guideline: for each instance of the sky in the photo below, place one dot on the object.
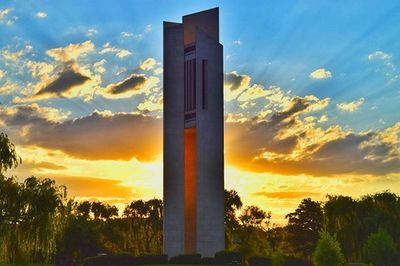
(311, 96)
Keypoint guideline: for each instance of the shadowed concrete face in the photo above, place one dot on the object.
(193, 136)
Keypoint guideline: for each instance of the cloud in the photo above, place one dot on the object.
(126, 34)
(350, 106)
(99, 66)
(91, 32)
(148, 64)
(237, 42)
(235, 84)
(8, 87)
(14, 56)
(121, 53)
(379, 55)
(92, 187)
(71, 52)
(134, 84)
(320, 73)
(5, 16)
(41, 15)
(66, 81)
(40, 165)
(2, 74)
(153, 103)
(287, 194)
(254, 92)
(288, 141)
(148, 28)
(99, 136)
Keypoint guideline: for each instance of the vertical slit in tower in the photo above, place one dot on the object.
(190, 190)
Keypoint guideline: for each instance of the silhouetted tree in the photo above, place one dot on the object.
(303, 227)
(8, 155)
(233, 203)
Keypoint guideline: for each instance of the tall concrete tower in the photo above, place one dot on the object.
(193, 136)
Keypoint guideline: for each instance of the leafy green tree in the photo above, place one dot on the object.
(380, 249)
(327, 252)
(8, 155)
(304, 226)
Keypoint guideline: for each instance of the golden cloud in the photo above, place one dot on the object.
(99, 136)
(350, 106)
(320, 73)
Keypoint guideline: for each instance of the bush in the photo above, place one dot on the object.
(292, 261)
(228, 258)
(327, 252)
(380, 249)
(207, 261)
(185, 259)
(260, 261)
(151, 259)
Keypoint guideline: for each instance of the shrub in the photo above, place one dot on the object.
(207, 261)
(380, 248)
(151, 259)
(327, 252)
(185, 259)
(260, 261)
(293, 261)
(225, 257)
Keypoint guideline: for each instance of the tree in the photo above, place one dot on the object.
(380, 249)
(233, 203)
(327, 252)
(304, 226)
(253, 224)
(8, 155)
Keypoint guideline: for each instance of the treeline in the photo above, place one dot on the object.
(38, 223)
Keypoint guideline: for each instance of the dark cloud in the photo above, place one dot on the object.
(235, 80)
(99, 136)
(133, 83)
(40, 165)
(282, 144)
(63, 83)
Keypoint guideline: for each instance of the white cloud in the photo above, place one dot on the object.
(41, 14)
(320, 73)
(126, 34)
(121, 53)
(2, 73)
(350, 106)
(148, 28)
(379, 55)
(91, 32)
(5, 16)
(237, 42)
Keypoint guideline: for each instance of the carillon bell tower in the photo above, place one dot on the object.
(193, 136)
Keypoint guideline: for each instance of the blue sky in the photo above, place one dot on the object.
(331, 67)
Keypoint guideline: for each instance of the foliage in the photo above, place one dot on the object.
(31, 218)
(8, 155)
(226, 257)
(233, 204)
(303, 227)
(327, 252)
(186, 259)
(380, 249)
(260, 261)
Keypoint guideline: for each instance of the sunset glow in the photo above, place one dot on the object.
(311, 95)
